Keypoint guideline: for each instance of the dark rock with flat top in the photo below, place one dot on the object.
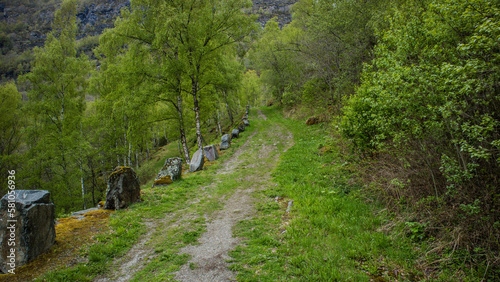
(123, 188)
(27, 227)
(211, 153)
(171, 171)
(225, 142)
(197, 161)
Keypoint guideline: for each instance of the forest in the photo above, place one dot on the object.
(409, 87)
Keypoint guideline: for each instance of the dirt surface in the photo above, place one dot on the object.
(126, 267)
(209, 258)
(257, 157)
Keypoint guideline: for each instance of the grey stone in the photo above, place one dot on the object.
(246, 122)
(225, 142)
(123, 188)
(211, 153)
(27, 227)
(197, 161)
(171, 171)
(83, 211)
(235, 133)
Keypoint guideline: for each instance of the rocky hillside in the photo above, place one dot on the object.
(24, 24)
(267, 9)
(27, 22)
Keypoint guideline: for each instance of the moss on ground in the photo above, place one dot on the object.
(73, 234)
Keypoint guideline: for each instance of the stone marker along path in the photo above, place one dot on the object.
(258, 156)
(251, 165)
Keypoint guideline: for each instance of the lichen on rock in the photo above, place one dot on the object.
(171, 171)
(123, 188)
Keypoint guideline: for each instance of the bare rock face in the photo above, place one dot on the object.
(27, 227)
(171, 171)
(197, 161)
(211, 153)
(267, 9)
(235, 133)
(123, 188)
(225, 142)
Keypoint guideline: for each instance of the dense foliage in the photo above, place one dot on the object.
(167, 71)
(415, 86)
(430, 99)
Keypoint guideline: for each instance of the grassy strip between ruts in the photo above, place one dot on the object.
(329, 234)
(165, 205)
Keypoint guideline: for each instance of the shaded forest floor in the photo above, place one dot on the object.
(281, 204)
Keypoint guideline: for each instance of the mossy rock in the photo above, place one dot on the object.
(171, 171)
(163, 181)
(123, 188)
(241, 127)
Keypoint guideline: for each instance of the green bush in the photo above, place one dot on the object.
(430, 99)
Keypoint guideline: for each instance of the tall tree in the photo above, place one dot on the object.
(11, 122)
(56, 103)
(176, 46)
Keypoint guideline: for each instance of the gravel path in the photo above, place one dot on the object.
(208, 261)
(257, 156)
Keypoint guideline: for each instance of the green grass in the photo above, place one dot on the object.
(330, 234)
(158, 204)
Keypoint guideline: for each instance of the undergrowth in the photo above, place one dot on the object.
(330, 233)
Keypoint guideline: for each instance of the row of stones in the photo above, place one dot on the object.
(27, 219)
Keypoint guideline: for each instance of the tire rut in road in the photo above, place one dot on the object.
(209, 258)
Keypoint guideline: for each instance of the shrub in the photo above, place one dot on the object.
(430, 100)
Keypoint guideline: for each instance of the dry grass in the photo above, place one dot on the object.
(73, 234)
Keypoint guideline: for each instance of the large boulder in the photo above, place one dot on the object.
(171, 171)
(225, 142)
(27, 227)
(211, 153)
(235, 133)
(197, 161)
(123, 188)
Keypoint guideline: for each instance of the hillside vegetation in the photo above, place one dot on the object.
(406, 91)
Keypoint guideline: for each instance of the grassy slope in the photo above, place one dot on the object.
(330, 234)
(162, 204)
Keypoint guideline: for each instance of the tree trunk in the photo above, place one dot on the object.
(136, 159)
(229, 112)
(117, 154)
(83, 188)
(129, 154)
(181, 130)
(197, 114)
(218, 123)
